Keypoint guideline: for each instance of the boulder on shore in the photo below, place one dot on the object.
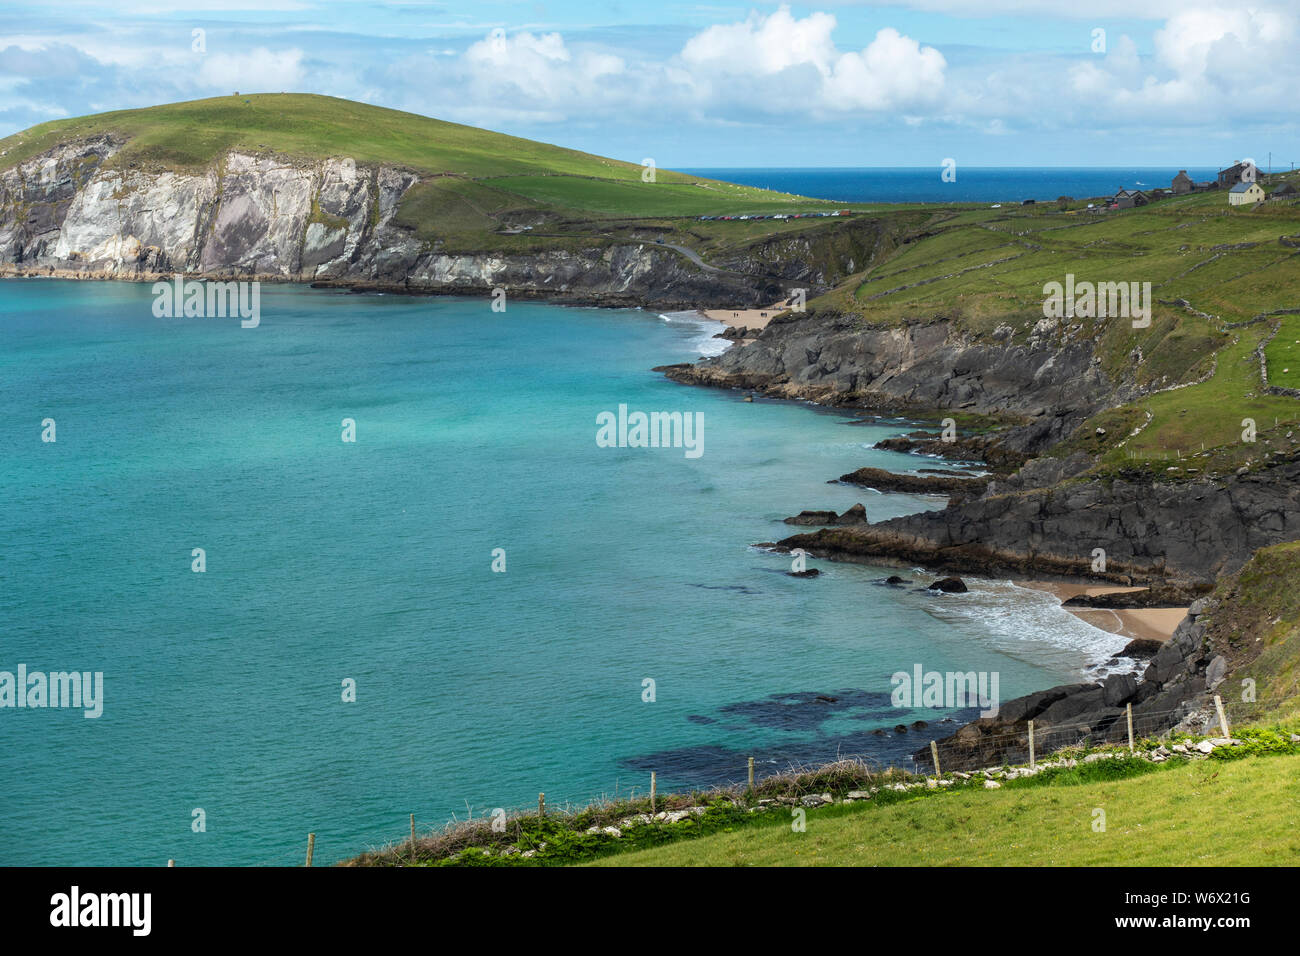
(1141, 648)
(949, 586)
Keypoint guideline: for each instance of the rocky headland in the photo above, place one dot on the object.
(1044, 511)
(73, 213)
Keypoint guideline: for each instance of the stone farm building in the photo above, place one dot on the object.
(1183, 183)
(1242, 172)
(1128, 198)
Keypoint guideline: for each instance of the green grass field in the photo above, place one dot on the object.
(1211, 813)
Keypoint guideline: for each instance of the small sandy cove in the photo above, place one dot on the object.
(752, 319)
(1156, 624)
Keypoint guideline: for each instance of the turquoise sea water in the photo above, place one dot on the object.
(373, 561)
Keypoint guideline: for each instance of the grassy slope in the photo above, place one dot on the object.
(988, 267)
(1187, 815)
(1257, 627)
(194, 133)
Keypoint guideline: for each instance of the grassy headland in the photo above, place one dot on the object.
(478, 189)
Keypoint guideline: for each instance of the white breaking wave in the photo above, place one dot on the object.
(704, 341)
(1031, 624)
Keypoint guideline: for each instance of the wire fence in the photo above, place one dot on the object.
(967, 751)
(978, 751)
(970, 749)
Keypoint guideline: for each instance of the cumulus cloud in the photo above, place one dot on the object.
(764, 45)
(538, 67)
(1207, 62)
(892, 71)
(259, 69)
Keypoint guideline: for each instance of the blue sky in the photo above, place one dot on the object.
(994, 83)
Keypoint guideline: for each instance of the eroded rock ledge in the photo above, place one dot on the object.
(882, 480)
(1045, 387)
(1180, 533)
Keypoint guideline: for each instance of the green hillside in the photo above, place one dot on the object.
(478, 189)
(192, 134)
(1237, 270)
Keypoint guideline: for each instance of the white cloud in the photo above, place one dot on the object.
(537, 70)
(1208, 62)
(764, 45)
(892, 71)
(255, 71)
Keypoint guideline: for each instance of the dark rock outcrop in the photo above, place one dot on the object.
(1184, 533)
(932, 484)
(1141, 648)
(949, 586)
(1163, 596)
(857, 515)
(1047, 384)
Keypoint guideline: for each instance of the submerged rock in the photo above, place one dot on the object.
(857, 515)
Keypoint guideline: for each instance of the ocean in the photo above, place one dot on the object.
(634, 626)
(972, 183)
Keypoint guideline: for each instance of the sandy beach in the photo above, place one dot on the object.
(1156, 624)
(752, 319)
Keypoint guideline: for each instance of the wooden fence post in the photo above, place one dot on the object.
(412, 837)
(1223, 717)
(934, 752)
(311, 846)
(751, 773)
(1129, 709)
(654, 790)
(1031, 745)
(541, 804)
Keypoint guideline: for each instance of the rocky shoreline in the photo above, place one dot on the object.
(1170, 695)
(1036, 515)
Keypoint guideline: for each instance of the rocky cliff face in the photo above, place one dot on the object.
(69, 213)
(1049, 385)
(1186, 532)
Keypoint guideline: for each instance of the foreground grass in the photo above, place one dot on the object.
(1210, 813)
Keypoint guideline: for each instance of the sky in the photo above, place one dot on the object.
(712, 84)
